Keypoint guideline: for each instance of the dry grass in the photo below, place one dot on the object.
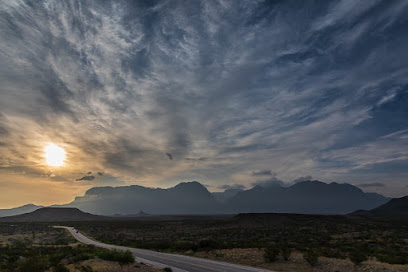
(106, 266)
(38, 239)
(254, 257)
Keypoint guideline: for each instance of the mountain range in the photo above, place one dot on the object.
(306, 197)
(395, 208)
(19, 210)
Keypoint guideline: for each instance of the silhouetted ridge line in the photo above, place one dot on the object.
(306, 197)
(51, 214)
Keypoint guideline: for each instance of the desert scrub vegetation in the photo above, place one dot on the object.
(122, 257)
(357, 257)
(329, 236)
(272, 253)
(39, 247)
(311, 257)
(22, 258)
(33, 234)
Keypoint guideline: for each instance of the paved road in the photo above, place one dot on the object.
(178, 263)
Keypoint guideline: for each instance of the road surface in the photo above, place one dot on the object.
(178, 263)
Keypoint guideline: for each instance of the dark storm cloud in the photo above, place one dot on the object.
(87, 177)
(372, 184)
(263, 173)
(293, 86)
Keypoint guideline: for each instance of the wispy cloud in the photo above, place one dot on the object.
(305, 88)
(232, 187)
(263, 173)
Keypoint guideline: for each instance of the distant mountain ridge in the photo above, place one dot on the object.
(49, 214)
(396, 207)
(19, 210)
(184, 198)
(307, 197)
(188, 198)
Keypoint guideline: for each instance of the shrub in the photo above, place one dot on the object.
(208, 244)
(60, 268)
(392, 259)
(122, 257)
(271, 254)
(311, 257)
(285, 251)
(34, 265)
(357, 257)
(219, 255)
(86, 268)
(167, 269)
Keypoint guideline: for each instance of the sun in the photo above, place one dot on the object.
(54, 155)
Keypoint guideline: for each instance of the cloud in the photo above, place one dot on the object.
(300, 179)
(88, 177)
(3, 131)
(371, 184)
(232, 186)
(119, 83)
(263, 173)
(197, 159)
(269, 183)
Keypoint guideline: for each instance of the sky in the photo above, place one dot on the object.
(228, 93)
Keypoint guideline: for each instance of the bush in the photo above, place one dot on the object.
(285, 251)
(122, 257)
(208, 244)
(271, 254)
(357, 257)
(86, 268)
(311, 257)
(167, 269)
(392, 259)
(60, 268)
(34, 265)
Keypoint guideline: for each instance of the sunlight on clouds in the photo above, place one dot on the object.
(54, 155)
(225, 88)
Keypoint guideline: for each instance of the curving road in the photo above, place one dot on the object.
(178, 263)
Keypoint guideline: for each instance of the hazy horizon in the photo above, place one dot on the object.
(227, 93)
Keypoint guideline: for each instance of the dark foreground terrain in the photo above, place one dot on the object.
(36, 247)
(279, 242)
(275, 241)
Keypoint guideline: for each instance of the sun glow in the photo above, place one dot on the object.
(54, 155)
